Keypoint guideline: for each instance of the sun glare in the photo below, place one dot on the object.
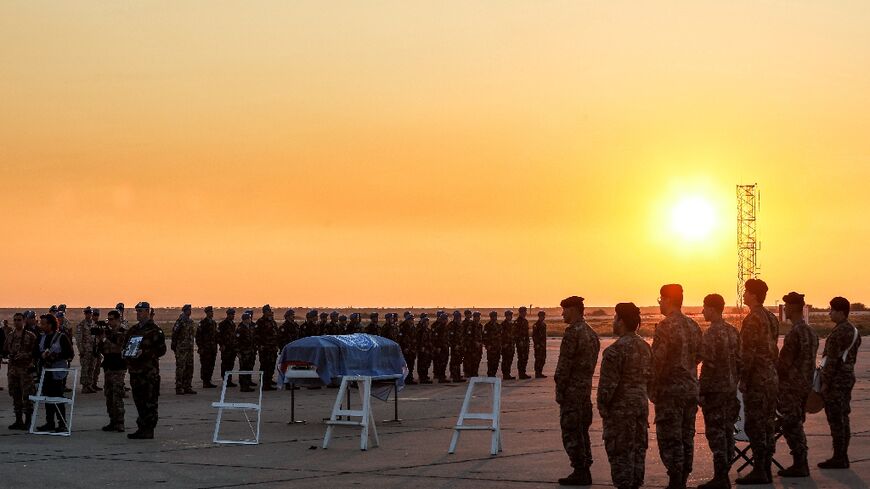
(693, 218)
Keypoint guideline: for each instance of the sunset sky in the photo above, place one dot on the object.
(453, 153)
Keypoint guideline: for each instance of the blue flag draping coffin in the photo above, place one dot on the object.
(336, 356)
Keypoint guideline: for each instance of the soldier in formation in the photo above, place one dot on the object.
(507, 345)
(226, 340)
(440, 346)
(111, 347)
(266, 341)
(85, 344)
(206, 343)
(144, 345)
(246, 349)
(472, 346)
(182, 344)
(408, 343)
(373, 327)
(626, 369)
(288, 332)
(424, 349)
(521, 339)
(492, 342)
(539, 342)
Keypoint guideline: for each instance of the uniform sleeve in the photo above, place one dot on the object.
(568, 352)
(835, 346)
(611, 373)
(788, 354)
(659, 356)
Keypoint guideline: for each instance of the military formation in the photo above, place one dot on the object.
(775, 386)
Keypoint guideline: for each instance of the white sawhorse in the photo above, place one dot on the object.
(40, 398)
(239, 406)
(367, 419)
(493, 417)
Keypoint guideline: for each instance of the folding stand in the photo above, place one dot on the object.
(297, 374)
(367, 419)
(494, 417)
(239, 406)
(741, 436)
(39, 398)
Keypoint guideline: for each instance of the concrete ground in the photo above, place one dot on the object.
(413, 452)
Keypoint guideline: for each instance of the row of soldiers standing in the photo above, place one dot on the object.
(771, 380)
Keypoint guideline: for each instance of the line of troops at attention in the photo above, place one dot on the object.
(116, 348)
(775, 383)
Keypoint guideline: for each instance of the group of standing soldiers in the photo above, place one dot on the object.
(457, 343)
(771, 381)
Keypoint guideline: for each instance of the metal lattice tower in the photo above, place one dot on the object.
(747, 240)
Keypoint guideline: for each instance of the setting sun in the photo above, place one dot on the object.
(693, 218)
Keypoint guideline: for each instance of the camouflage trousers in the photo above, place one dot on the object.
(183, 368)
(838, 399)
(522, 355)
(113, 389)
(439, 360)
(540, 357)
(21, 387)
(146, 392)
(675, 431)
(493, 355)
(626, 441)
(98, 364)
(759, 403)
(791, 405)
(507, 360)
(471, 361)
(268, 357)
(228, 361)
(423, 362)
(207, 359)
(246, 362)
(86, 360)
(456, 357)
(575, 417)
(720, 412)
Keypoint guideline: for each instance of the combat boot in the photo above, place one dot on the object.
(580, 477)
(18, 424)
(523, 376)
(509, 377)
(109, 427)
(189, 391)
(230, 383)
(48, 426)
(540, 376)
(838, 461)
(88, 390)
(28, 418)
(141, 435)
(799, 468)
(96, 387)
(179, 392)
(720, 478)
(756, 477)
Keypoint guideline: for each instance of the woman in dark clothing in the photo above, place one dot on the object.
(54, 350)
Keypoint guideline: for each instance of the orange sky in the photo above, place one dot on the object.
(427, 153)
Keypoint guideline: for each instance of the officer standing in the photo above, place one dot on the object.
(795, 367)
(521, 338)
(578, 355)
(440, 347)
(507, 345)
(626, 368)
(838, 379)
(183, 338)
(144, 345)
(539, 342)
(247, 351)
(288, 332)
(266, 339)
(111, 346)
(720, 374)
(472, 346)
(226, 339)
(332, 327)
(492, 342)
(676, 351)
(758, 380)
(373, 328)
(342, 324)
(408, 343)
(354, 326)
(206, 343)
(389, 330)
(99, 329)
(18, 347)
(455, 332)
(84, 342)
(424, 349)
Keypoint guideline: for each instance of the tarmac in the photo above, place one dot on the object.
(412, 453)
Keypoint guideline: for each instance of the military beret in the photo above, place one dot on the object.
(95, 312)
(186, 307)
(840, 304)
(342, 318)
(61, 307)
(715, 301)
(29, 314)
(333, 313)
(373, 315)
(756, 287)
(289, 312)
(267, 308)
(476, 314)
(408, 314)
(52, 309)
(523, 309)
(542, 313)
(311, 314)
(457, 313)
(508, 313)
(324, 315)
(671, 290)
(794, 298)
(424, 316)
(231, 310)
(467, 312)
(142, 305)
(60, 314)
(439, 313)
(354, 315)
(249, 312)
(88, 310)
(247, 315)
(573, 301)
(119, 306)
(628, 313)
(208, 309)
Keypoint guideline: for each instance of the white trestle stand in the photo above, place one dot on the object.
(289, 376)
(239, 406)
(494, 417)
(367, 419)
(40, 398)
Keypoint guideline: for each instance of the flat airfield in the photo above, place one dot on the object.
(413, 453)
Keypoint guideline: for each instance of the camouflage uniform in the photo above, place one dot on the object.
(473, 348)
(389, 330)
(115, 369)
(332, 327)
(309, 328)
(288, 332)
(676, 350)
(226, 340)
(440, 348)
(578, 355)
(424, 351)
(206, 343)
(507, 347)
(266, 340)
(626, 369)
(838, 378)
(758, 380)
(373, 328)
(539, 340)
(145, 372)
(183, 337)
(521, 339)
(795, 368)
(408, 343)
(247, 351)
(19, 347)
(492, 342)
(85, 343)
(720, 374)
(353, 326)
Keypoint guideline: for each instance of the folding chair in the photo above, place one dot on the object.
(239, 406)
(494, 416)
(40, 398)
(743, 453)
